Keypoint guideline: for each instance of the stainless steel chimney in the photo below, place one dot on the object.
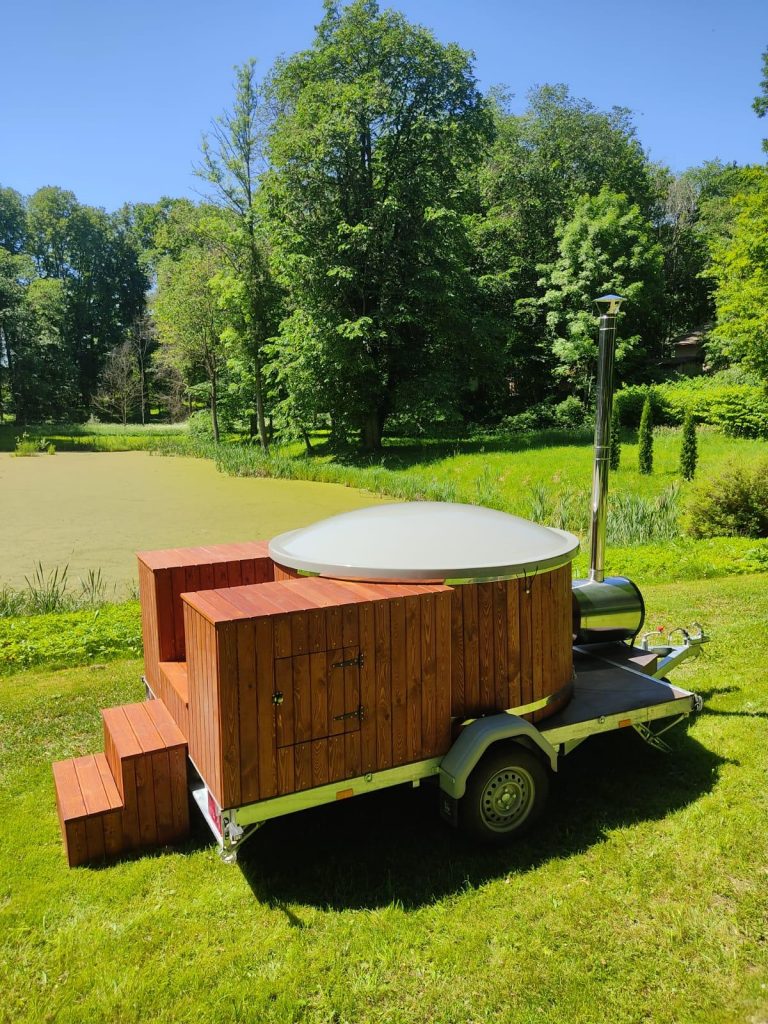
(604, 609)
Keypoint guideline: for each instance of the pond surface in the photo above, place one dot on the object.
(95, 510)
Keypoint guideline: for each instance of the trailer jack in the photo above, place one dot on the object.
(653, 739)
(233, 837)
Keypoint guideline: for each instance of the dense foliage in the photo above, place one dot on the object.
(733, 503)
(384, 248)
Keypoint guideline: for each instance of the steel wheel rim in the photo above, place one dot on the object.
(507, 799)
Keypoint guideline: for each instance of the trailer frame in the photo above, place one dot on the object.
(608, 696)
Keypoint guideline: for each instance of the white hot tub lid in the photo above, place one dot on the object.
(424, 540)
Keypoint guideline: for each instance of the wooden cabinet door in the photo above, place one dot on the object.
(317, 695)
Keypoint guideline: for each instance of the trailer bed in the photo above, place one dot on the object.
(608, 695)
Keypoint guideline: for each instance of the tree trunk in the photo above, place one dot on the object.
(260, 418)
(214, 410)
(373, 427)
(307, 441)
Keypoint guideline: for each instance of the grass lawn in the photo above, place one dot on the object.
(643, 896)
(510, 467)
(94, 511)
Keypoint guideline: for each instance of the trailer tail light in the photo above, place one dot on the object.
(343, 794)
(214, 813)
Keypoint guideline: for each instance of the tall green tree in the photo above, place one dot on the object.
(760, 103)
(607, 246)
(191, 325)
(542, 162)
(103, 282)
(740, 270)
(377, 126)
(233, 162)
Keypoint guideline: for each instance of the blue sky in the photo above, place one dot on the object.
(109, 98)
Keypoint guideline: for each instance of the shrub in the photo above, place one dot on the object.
(732, 504)
(27, 446)
(645, 439)
(736, 405)
(615, 454)
(200, 427)
(688, 449)
(569, 413)
(65, 639)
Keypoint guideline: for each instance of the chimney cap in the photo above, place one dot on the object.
(609, 305)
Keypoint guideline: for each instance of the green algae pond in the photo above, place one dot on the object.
(94, 510)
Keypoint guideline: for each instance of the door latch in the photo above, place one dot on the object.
(277, 697)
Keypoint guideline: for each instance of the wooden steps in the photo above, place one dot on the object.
(131, 797)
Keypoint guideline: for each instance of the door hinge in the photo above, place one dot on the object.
(349, 662)
(358, 713)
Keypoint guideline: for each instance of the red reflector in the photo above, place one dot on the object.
(214, 812)
(625, 722)
(344, 793)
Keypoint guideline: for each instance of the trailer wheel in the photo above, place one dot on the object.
(505, 794)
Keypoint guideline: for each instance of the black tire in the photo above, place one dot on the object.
(506, 793)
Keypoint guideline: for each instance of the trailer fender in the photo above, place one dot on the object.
(476, 738)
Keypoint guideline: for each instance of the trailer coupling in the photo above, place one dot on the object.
(672, 654)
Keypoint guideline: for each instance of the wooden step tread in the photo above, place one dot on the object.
(85, 787)
(175, 674)
(136, 729)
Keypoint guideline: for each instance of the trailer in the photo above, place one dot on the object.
(376, 648)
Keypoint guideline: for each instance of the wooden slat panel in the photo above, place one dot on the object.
(94, 837)
(249, 716)
(352, 754)
(335, 679)
(302, 766)
(500, 646)
(471, 649)
(300, 633)
(334, 628)
(428, 677)
(486, 645)
(316, 625)
(539, 592)
(229, 714)
(525, 591)
(336, 758)
(351, 687)
(350, 626)
(414, 743)
(320, 769)
(302, 698)
(178, 587)
(398, 652)
(318, 675)
(284, 723)
(234, 574)
(514, 690)
(112, 824)
(367, 634)
(76, 842)
(265, 687)
(458, 696)
(145, 800)
(161, 783)
(149, 623)
(383, 685)
(166, 636)
(285, 770)
(130, 815)
(177, 761)
(443, 671)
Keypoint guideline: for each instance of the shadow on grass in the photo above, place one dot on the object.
(391, 847)
(406, 453)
